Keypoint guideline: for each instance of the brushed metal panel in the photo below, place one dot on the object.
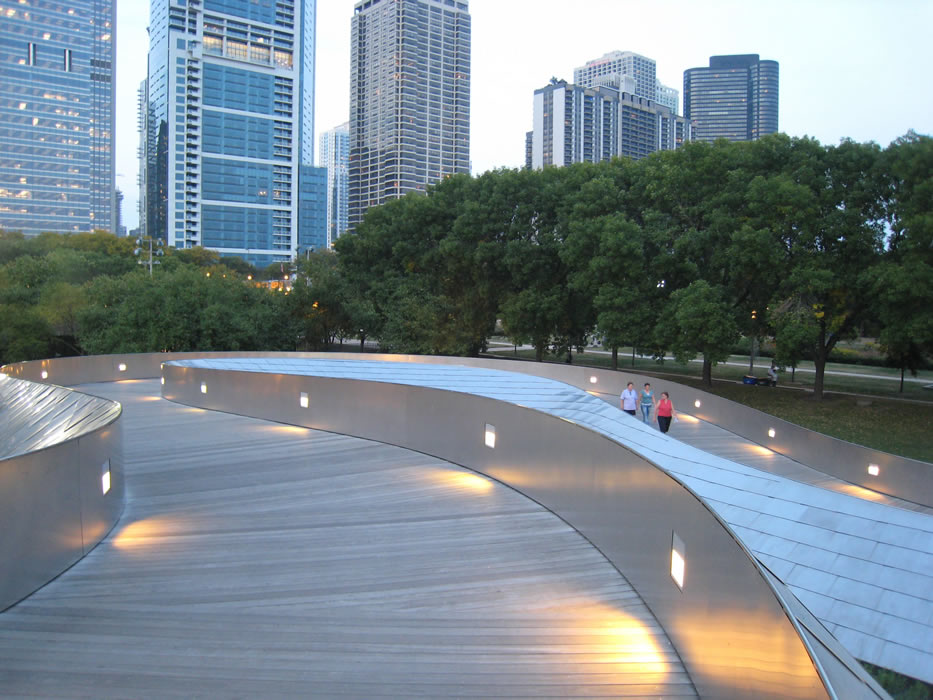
(40, 520)
(901, 477)
(52, 506)
(99, 510)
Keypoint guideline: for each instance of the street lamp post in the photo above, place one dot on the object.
(159, 252)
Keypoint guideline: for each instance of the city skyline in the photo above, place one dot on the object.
(833, 55)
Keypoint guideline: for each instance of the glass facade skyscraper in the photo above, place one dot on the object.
(56, 115)
(335, 157)
(735, 98)
(409, 98)
(312, 208)
(229, 121)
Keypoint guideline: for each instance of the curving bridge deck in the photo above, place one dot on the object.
(255, 558)
(863, 568)
(259, 560)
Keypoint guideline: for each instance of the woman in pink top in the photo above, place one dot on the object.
(665, 412)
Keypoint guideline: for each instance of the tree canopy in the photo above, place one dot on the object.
(679, 253)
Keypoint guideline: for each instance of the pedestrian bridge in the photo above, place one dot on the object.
(256, 556)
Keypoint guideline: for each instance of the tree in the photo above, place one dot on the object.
(612, 262)
(23, 335)
(318, 301)
(903, 283)
(60, 303)
(698, 320)
(180, 310)
(539, 304)
(835, 245)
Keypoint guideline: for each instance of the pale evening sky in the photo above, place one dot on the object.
(848, 68)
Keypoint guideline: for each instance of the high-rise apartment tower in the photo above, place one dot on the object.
(735, 98)
(575, 124)
(627, 72)
(409, 98)
(335, 157)
(229, 123)
(56, 115)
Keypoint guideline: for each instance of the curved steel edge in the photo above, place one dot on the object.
(902, 477)
(731, 627)
(52, 507)
(909, 479)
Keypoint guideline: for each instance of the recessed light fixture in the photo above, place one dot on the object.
(105, 477)
(697, 403)
(122, 366)
(303, 399)
(594, 379)
(490, 436)
(678, 561)
(203, 387)
(771, 432)
(44, 375)
(874, 469)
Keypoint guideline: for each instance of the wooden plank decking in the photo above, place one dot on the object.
(260, 560)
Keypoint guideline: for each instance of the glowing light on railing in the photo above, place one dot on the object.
(303, 399)
(44, 375)
(874, 469)
(678, 561)
(163, 381)
(122, 366)
(771, 432)
(105, 478)
(203, 387)
(697, 403)
(490, 436)
(594, 379)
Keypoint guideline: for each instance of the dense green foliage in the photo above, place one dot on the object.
(86, 293)
(782, 240)
(682, 252)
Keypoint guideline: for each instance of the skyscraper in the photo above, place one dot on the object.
(335, 157)
(574, 124)
(627, 72)
(142, 102)
(229, 122)
(409, 98)
(735, 98)
(56, 115)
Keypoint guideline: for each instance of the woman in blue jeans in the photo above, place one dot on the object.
(647, 403)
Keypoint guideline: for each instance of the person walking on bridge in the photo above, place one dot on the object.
(629, 399)
(665, 412)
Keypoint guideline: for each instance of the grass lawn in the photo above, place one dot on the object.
(900, 427)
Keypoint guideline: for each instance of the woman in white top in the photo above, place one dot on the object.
(629, 399)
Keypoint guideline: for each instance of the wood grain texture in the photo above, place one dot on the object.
(260, 560)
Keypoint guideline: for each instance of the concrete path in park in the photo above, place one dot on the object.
(763, 367)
